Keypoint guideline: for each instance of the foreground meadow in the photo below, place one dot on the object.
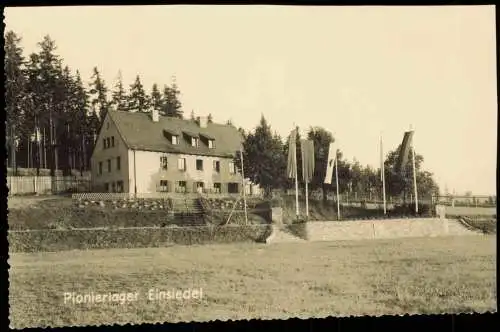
(242, 281)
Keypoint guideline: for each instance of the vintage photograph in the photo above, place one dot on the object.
(181, 163)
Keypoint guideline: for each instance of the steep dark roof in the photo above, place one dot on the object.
(141, 133)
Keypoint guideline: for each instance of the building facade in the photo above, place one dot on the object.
(147, 153)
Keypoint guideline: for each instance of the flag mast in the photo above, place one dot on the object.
(244, 187)
(414, 171)
(382, 172)
(296, 170)
(337, 184)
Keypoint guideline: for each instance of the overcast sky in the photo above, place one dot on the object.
(356, 71)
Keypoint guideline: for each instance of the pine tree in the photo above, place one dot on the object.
(44, 103)
(171, 103)
(99, 95)
(119, 96)
(15, 93)
(83, 129)
(264, 161)
(138, 101)
(156, 100)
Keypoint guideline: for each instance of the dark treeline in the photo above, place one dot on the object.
(53, 117)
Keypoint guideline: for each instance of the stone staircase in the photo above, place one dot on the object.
(188, 208)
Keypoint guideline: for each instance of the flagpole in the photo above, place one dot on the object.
(414, 174)
(296, 173)
(382, 171)
(244, 187)
(337, 183)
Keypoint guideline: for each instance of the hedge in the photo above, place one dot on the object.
(82, 239)
(68, 217)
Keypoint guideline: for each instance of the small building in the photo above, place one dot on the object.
(139, 152)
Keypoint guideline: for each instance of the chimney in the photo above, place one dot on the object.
(154, 115)
(203, 120)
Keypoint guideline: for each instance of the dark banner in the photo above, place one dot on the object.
(307, 150)
(404, 152)
(291, 169)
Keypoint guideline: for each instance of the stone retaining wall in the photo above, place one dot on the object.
(382, 229)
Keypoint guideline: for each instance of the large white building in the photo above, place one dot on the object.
(146, 153)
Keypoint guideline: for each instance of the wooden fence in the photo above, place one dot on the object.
(25, 185)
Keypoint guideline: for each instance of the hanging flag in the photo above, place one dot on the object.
(332, 155)
(404, 152)
(307, 150)
(291, 169)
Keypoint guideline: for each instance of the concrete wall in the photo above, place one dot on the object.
(383, 229)
(103, 155)
(470, 211)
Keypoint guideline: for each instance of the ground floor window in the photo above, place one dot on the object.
(163, 187)
(181, 187)
(119, 186)
(232, 188)
(217, 187)
(113, 187)
(199, 187)
(106, 187)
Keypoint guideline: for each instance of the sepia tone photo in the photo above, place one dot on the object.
(198, 163)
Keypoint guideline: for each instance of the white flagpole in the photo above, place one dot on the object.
(296, 174)
(305, 174)
(414, 172)
(244, 187)
(382, 170)
(337, 183)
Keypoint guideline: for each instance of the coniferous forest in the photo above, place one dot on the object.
(54, 114)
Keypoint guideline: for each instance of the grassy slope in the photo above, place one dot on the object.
(433, 275)
(60, 213)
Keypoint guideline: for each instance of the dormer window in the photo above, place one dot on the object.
(194, 142)
(172, 136)
(208, 140)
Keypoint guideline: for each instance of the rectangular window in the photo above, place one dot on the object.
(194, 142)
(100, 167)
(199, 164)
(112, 141)
(108, 143)
(109, 165)
(163, 186)
(211, 144)
(104, 143)
(217, 166)
(106, 187)
(232, 169)
(119, 186)
(232, 188)
(175, 140)
(113, 187)
(163, 162)
(181, 186)
(118, 163)
(199, 187)
(181, 163)
(217, 187)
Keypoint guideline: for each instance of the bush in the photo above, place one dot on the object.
(57, 240)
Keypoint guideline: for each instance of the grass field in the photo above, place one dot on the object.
(242, 281)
